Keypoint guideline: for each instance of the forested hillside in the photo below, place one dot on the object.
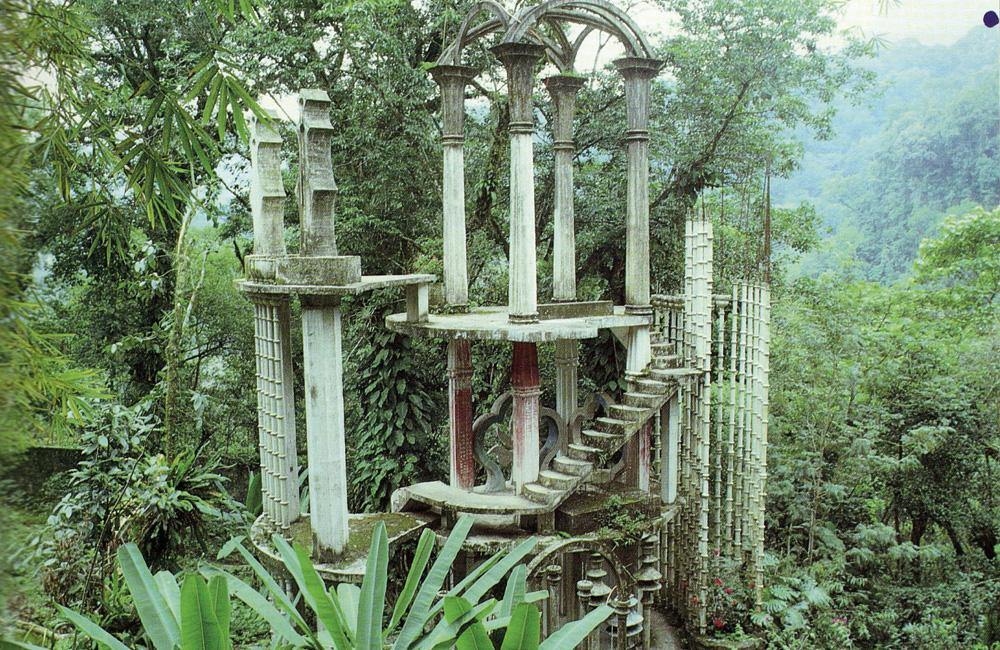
(924, 145)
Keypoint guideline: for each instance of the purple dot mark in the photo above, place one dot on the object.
(991, 19)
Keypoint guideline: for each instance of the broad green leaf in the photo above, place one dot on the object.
(372, 604)
(431, 585)
(327, 609)
(218, 593)
(420, 558)
(499, 570)
(92, 630)
(273, 588)
(514, 593)
(167, 584)
(524, 629)
(349, 595)
(475, 637)
(199, 627)
(263, 607)
(158, 622)
(573, 633)
(445, 635)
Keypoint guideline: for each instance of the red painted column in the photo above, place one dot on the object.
(463, 468)
(526, 389)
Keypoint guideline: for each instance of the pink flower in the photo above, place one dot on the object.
(718, 582)
(718, 623)
(728, 590)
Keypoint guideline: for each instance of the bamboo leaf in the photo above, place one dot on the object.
(327, 609)
(263, 607)
(514, 593)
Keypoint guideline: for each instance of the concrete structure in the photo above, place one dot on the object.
(670, 451)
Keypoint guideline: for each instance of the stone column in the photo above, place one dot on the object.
(324, 388)
(637, 73)
(317, 189)
(522, 291)
(567, 362)
(526, 389)
(463, 469)
(670, 449)
(452, 79)
(563, 89)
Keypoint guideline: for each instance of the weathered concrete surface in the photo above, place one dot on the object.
(366, 283)
(492, 324)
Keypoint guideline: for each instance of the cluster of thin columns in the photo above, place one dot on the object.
(720, 486)
(520, 60)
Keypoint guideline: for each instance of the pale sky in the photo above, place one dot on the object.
(932, 22)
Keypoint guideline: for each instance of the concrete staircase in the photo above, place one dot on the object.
(643, 398)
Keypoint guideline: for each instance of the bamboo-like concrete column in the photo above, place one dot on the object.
(275, 396)
(463, 468)
(526, 391)
(453, 79)
(522, 290)
(764, 370)
(322, 338)
(317, 188)
(637, 73)
(563, 89)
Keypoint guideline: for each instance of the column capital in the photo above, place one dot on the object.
(520, 60)
(563, 83)
(444, 73)
(638, 67)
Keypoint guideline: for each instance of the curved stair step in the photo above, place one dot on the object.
(574, 466)
(662, 348)
(541, 494)
(628, 413)
(643, 400)
(648, 386)
(614, 425)
(663, 362)
(557, 480)
(602, 440)
(671, 375)
(583, 453)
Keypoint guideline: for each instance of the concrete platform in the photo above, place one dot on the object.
(350, 567)
(492, 324)
(367, 283)
(442, 496)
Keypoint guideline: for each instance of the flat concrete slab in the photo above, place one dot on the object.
(367, 283)
(443, 496)
(492, 324)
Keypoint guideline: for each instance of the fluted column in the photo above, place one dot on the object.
(452, 79)
(522, 290)
(526, 390)
(463, 469)
(567, 359)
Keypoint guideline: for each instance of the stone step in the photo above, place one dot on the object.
(662, 348)
(628, 413)
(672, 375)
(557, 480)
(574, 466)
(583, 453)
(541, 494)
(602, 439)
(656, 337)
(614, 425)
(642, 400)
(648, 386)
(667, 361)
